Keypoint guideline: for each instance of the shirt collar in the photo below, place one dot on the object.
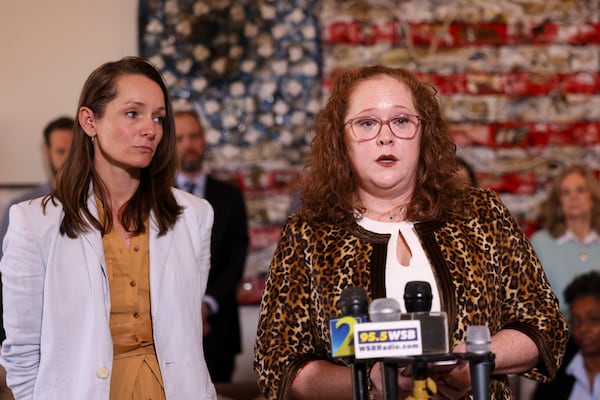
(199, 180)
(582, 390)
(568, 236)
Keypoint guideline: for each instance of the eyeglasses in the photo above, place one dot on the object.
(403, 126)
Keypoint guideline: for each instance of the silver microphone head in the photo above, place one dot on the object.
(384, 310)
(478, 339)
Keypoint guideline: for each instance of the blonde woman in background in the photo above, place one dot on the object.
(569, 245)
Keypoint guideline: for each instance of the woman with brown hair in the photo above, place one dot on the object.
(103, 279)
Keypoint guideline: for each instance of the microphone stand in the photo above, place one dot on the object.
(423, 386)
(390, 380)
(360, 381)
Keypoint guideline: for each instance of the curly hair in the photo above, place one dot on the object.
(156, 180)
(587, 284)
(328, 189)
(551, 216)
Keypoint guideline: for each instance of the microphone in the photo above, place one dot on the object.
(417, 296)
(387, 310)
(434, 325)
(354, 305)
(354, 302)
(479, 342)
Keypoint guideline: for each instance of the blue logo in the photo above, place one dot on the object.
(342, 335)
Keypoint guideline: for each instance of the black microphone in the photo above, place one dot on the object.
(417, 296)
(387, 310)
(434, 325)
(479, 342)
(354, 302)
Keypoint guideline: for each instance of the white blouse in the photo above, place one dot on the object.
(396, 274)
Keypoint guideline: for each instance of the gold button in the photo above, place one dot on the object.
(132, 283)
(136, 248)
(103, 372)
(136, 314)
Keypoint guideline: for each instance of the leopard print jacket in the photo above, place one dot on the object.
(485, 268)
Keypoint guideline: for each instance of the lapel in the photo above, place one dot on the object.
(93, 237)
(159, 260)
(91, 241)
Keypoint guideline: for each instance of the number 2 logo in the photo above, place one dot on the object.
(342, 336)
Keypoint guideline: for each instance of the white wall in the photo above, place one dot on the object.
(48, 49)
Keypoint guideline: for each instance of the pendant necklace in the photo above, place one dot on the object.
(391, 213)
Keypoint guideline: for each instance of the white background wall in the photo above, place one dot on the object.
(48, 48)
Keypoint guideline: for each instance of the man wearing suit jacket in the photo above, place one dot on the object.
(229, 247)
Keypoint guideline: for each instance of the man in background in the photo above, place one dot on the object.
(58, 135)
(229, 247)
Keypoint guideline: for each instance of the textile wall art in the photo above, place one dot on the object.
(518, 81)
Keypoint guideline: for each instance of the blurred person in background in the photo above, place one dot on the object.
(466, 171)
(58, 135)
(579, 376)
(568, 243)
(229, 246)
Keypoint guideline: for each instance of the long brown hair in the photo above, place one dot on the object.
(329, 186)
(156, 180)
(551, 215)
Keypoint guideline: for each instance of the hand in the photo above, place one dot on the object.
(5, 392)
(452, 384)
(455, 382)
(205, 323)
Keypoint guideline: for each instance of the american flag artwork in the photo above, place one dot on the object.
(518, 80)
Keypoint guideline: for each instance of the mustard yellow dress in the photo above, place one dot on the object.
(136, 373)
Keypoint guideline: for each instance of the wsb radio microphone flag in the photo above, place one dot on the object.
(419, 337)
(419, 331)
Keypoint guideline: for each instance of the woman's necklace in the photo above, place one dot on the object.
(390, 215)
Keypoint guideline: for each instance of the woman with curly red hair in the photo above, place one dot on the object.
(382, 204)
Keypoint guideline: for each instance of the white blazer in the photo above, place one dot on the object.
(57, 305)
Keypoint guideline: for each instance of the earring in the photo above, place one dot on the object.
(93, 138)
